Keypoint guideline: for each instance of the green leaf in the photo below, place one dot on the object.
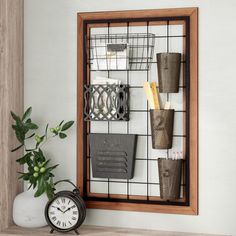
(49, 190)
(20, 131)
(51, 175)
(33, 180)
(20, 172)
(15, 149)
(19, 123)
(62, 135)
(31, 126)
(39, 157)
(35, 161)
(34, 185)
(30, 186)
(49, 169)
(25, 130)
(20, 136)
(27, 113)
(14, 116)
(31, 169)
(32, 135)
(20, 177)
(25, 158)
(61, 123)
(46, 130)
(46, 176)
(25, 176)
(67, 125)
(45, 163)
(41, 152)
(43, 159)
(30, 150)
(29, 161)
(41, 187)
(28, 121)
(51, 182)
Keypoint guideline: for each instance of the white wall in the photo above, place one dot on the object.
(50, 87)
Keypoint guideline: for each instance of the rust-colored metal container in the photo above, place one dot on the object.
(162, 122)
(170, 174)
(168, 65)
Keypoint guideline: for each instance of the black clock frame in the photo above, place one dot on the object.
(77, 199)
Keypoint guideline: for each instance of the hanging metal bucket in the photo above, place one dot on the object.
(162, 128)
(170, 174)
(168, 65)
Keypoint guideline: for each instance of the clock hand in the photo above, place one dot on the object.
(66, 210)
(58, 209)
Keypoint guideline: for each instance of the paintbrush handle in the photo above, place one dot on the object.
(155, 95)
(149, 94)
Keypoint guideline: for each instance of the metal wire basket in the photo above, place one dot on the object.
(121, 51)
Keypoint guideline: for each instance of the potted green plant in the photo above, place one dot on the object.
(37, 169)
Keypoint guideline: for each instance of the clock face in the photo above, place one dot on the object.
(63, 213)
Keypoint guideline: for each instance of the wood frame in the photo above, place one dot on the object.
(11, 98)
(192, 13)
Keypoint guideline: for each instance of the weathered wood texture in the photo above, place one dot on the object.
(11, 98)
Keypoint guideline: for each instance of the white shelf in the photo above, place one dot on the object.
(94, 231)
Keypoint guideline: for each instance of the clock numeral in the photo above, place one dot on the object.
(58, 222)
(69, 222)
(64, 224)
(57, 202)
(52, 213)
(69, 202)
(74, 206)
(54, 218)
(73, 218)
(75, 212)
(63, 200)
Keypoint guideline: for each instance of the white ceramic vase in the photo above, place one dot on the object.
(28, 211)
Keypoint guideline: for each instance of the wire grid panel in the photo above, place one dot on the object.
(145, 184)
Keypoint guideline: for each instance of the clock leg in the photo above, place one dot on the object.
(76, 231)
(51, 231)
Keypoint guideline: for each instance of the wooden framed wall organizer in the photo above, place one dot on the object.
(122, 46)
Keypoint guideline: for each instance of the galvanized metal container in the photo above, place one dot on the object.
(168, 65)
(170, 174)
(162, 128)
(113, 155)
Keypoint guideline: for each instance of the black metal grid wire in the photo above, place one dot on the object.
(185, 137)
